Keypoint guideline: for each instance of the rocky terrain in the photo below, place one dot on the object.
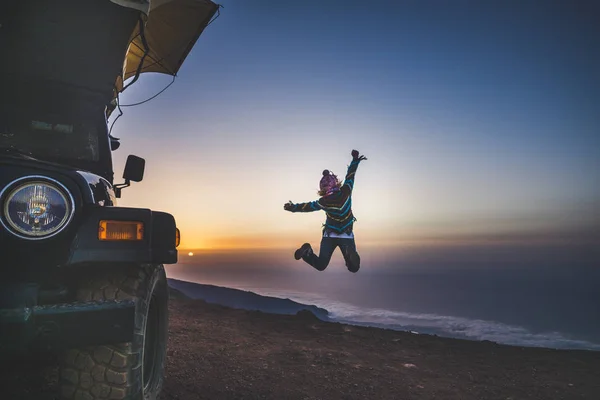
(216, 352)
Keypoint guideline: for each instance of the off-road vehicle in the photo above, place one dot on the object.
(81, 276)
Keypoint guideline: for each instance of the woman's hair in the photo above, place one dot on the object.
(328, 181)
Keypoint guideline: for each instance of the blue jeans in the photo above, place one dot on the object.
(328, 245)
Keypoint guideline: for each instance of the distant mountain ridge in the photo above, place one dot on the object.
(236, 298)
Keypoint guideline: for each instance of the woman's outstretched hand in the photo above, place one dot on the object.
(288, 206)
(355, 156)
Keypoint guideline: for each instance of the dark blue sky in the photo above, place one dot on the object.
(477, 115)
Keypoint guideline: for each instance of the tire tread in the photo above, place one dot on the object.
(107, 372)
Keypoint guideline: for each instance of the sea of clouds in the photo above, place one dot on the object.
(441, 325)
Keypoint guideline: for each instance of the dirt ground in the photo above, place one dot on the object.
(221, 353)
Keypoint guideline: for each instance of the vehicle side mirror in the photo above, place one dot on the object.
(134, 171)
(134, 168)
(114, 143)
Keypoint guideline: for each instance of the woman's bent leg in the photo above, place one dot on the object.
(321, 261)
(348, 247)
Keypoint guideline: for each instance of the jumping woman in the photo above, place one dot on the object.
(336, 201)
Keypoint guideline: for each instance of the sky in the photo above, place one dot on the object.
(480, 121)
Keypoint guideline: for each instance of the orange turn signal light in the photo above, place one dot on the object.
(120, 230)
(177, 237)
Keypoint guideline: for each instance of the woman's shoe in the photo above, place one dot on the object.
(305, 250)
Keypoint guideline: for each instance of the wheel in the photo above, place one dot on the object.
(133, 370)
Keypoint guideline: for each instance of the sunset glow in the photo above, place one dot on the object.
(468, 140)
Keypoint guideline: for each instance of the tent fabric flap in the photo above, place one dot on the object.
(140, 5)
(172, 28)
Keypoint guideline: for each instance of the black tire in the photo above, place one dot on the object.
(124, 371)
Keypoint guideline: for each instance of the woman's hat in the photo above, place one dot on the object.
(328, 181)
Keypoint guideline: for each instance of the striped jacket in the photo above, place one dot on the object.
(337, 206)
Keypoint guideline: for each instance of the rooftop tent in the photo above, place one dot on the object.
(172, 28)
(89, 47)
(161, 45)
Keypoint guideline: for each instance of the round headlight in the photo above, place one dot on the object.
(37, 209)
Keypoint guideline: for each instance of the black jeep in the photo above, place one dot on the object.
(81, 276)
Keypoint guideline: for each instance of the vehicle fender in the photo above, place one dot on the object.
(156, 247)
